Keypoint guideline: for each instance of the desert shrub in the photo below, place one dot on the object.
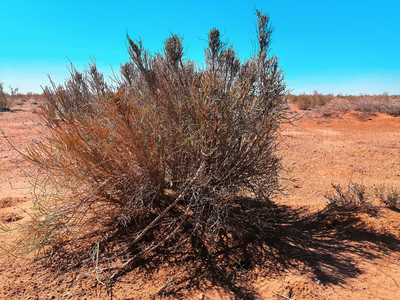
(7, 99)
(389, 196)
(365, 104)
(4, 102)
(379, 103)
(160, 155)
(306, 102)
(353, 198)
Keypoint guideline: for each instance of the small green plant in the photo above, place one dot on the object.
(389, 196)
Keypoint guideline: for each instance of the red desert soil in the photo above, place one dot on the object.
(341, 258)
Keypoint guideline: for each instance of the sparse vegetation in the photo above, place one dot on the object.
(366, 104)
(162, 157)
(164, 181)
(329, 104)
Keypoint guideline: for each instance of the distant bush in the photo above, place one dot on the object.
(328, 104)
(379, 103)
(7, 99)
(161, 155)
(306, 102)
(4, 102)
(365, 104)
(389, 196)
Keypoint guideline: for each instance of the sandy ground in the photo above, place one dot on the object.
(344, 258)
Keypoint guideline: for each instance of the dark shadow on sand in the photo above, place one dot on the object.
(270, 238)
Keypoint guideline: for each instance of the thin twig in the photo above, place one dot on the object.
(283, 296)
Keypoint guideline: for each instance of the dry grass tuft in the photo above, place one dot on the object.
(352, 199)
(389, 196)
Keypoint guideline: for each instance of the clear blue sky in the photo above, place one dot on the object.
(333, 46)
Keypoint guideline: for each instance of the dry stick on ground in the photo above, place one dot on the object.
(283, 296)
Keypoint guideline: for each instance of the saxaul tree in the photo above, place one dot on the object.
(162, 156)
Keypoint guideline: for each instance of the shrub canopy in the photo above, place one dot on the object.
(164, 153)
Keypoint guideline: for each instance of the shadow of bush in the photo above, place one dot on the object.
(326, 245)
